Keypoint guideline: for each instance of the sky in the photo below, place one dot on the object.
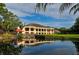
(51, 17)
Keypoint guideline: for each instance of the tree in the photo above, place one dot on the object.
(63, 6)
(8, 21)
(10, 24)
(3, 10)
(74, 7)
(75, 27)
(64, 30)
(8, 49)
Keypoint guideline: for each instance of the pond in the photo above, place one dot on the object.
(52, 48)
(57, 47)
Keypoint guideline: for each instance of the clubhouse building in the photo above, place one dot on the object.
(37, 29)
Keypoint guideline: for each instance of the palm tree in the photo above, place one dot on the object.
(63, 6)
(74, 7)
(41, 6)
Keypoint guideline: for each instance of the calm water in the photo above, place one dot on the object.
(53, 48)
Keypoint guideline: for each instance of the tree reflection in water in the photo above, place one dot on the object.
(77, 46)
(9, 49)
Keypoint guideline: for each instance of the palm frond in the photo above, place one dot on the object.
(45, 5)
(42, 6)
(76, 10)
(64, 6)
(75, 7)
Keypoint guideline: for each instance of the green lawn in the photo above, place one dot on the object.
(65, 36)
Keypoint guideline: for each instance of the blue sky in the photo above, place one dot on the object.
(52, 17)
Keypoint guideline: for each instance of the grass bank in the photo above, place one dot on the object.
(65, 36)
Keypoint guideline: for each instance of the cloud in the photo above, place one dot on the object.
(26, 12)
(20, 8)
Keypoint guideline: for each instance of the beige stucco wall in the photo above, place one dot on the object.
(38, 32)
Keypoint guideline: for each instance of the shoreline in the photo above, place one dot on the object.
(38, 42)
(25, 44)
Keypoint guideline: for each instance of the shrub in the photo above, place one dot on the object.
(7, 37)
(20, 36)
(40, 37)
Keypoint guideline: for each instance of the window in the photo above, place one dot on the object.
(48, 30)
(32, 32)
(39, 33)
(42, 29)
(36, 33)
(39, 29)
(52, 30)
(32, 29)
(36, 29)
(26, 41)
(32, 41)
(27, 29)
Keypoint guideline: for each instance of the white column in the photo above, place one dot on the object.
(29, 30)
(41, 30)
(53, 31)
(50, 30)
(38, 31)
(46, 31)
(34, 30)
(23, 30)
